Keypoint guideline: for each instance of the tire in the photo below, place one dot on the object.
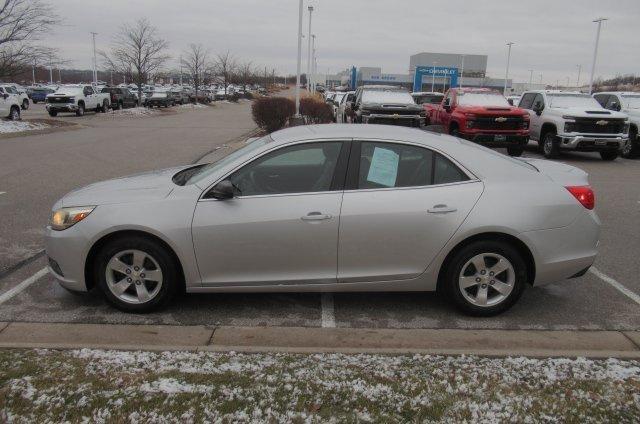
(14, 113)
(461, 271)
(515, 151)
(80, 111)
(35, 102)
(119, 106)
(105, 106)
(609, 155)
(630, 148)
(550, 147)
(25, 104)
(454, 131)
(53, 113)
(160, 289)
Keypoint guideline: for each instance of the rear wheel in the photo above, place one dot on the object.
(104, 107)
(485, 278)
(136, 274)
(609, 155)
(14, 114)
(515, 150)
(550, 146)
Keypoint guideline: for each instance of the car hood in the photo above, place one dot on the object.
(580, 112)
(134, 188)
(491, 110)
(633, 113)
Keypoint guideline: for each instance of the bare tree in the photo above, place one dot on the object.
(196, 60)
(22, 22)
(226, 66)
(246, 73)
(138, 51)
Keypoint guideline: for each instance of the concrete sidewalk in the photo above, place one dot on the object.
(533, 343)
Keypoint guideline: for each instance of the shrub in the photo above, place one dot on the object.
(272, 113)
(315, 111)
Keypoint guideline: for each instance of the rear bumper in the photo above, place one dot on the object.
(592, 143)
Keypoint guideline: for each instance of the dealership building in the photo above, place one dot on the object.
(427, 72)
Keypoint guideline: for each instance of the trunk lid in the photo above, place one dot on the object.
(561, 173)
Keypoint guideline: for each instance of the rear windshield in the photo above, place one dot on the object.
(482, 99)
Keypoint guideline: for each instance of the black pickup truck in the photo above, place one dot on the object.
(384, 104)
(121, 97)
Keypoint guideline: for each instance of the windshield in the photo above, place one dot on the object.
(10, 89)
(572, 100)
(212, 168)
(339, 97)
(482, 99)
(428, 98)
(631, 101)
(386, 96)
(69, 90)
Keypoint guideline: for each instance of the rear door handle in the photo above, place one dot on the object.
(442, 209)
(315, 216)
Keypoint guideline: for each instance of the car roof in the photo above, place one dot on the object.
(622, 93)
(426, 93)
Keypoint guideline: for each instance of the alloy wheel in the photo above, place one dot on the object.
(487, 279)
(15, 114)
(548, 144)
(627, 147)
(134, 276)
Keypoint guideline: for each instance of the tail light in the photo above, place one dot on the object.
(584, 195)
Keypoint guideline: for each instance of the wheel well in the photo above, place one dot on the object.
(633, 127)
(98, 245)
(502, 237)
(81, 102)
(546, 128)
(452, 125)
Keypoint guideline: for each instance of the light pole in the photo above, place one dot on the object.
(578, 80)
(299, 60)
(309, 48)
(180, 70)
(433, 77)
(33, 72)
(506, 75)
(530, 78)
(595, 53)
(95, 72)
(311, 80)
(461, 72)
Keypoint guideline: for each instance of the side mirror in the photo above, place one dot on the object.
(222, 191)
(615, 106)
(537, 108)
(510, 101)
(5, 95)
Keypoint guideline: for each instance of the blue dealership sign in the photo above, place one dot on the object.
(440, 71)
(354, 76)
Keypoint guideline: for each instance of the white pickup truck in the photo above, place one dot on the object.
(629, 103)
(566, 120)
(77, 98)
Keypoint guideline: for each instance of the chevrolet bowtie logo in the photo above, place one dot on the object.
(603, 122)
(501, 119)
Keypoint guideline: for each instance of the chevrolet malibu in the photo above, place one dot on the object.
(331, 208)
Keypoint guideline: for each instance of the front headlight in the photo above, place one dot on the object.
(64, 218)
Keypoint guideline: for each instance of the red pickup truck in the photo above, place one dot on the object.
(483, 116)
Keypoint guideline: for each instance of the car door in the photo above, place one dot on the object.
(535, 121)
(401, 205)
(282, 226)
(4, 102)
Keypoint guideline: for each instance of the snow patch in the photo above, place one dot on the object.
(7, 127)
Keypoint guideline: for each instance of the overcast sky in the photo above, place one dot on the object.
(550, 36)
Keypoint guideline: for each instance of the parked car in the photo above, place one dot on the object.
(161, 98)
(77, 98)
(334, 102)
(39, 94)
(9, 105)
(407, 210)
(483, 116)
(513, 99)
(628, 103)
(121, 97)
(221, 94)
(343, 113)
(21, 97)
(384, 104)
(565, 120)
(429, 101)
(180, 95)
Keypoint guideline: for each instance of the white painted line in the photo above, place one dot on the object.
(328, 317)
(616, 285)
(23, 285)
(4, 192)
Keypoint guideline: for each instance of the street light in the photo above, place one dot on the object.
(595, 53)
(95, 72)
(433, 77)
(309, 48)
(530, 78)
(299, 60)
(313, 63)
(461, 72)
(578, 80)
(506, 75)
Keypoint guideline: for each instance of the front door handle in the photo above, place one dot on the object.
(442, 209)
(316, 216)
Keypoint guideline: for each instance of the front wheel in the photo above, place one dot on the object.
(80, 111)
(485, 278)
(25, 104)
(14, 114)
(550, 147)
(630, 147)
(53, 113)
(515, 151)
(136, 274)
(609, 155)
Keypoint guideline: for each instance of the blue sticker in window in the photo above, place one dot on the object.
(384, 167)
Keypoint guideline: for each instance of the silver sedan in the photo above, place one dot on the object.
(331, 208)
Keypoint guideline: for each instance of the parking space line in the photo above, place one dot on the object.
(2, 192)
(328, 316)
(616, 285)
(23, 285)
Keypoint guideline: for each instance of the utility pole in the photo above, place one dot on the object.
(180, 70)
(299, 60)
(111, 76)
(530, 78)
(311, 82)
(60, 75)
(310, 8)
(506, 75)
(33, 72)
(461, 72)
(595, 52)
(95, 72)
(578, 80)
(433, 77)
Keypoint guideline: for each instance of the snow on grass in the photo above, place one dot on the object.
(118, 386)
(134, 111)
(19, 126)
(192, 106)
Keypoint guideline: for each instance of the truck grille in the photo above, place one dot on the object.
(598, 126)
(58, 99)
(503, 123)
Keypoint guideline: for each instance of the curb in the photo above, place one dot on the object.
(198, 338)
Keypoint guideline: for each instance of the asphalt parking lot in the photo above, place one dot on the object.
(37, 170)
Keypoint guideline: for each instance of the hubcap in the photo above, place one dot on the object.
(626, 149)
(487, 279)
(133, 276)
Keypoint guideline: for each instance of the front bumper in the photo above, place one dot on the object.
(66, 252)
(497, 139)
(64, 107)
(592, 143)
(392, 119)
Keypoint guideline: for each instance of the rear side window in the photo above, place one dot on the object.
(445, 172)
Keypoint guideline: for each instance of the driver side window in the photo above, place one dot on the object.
(304, 168)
